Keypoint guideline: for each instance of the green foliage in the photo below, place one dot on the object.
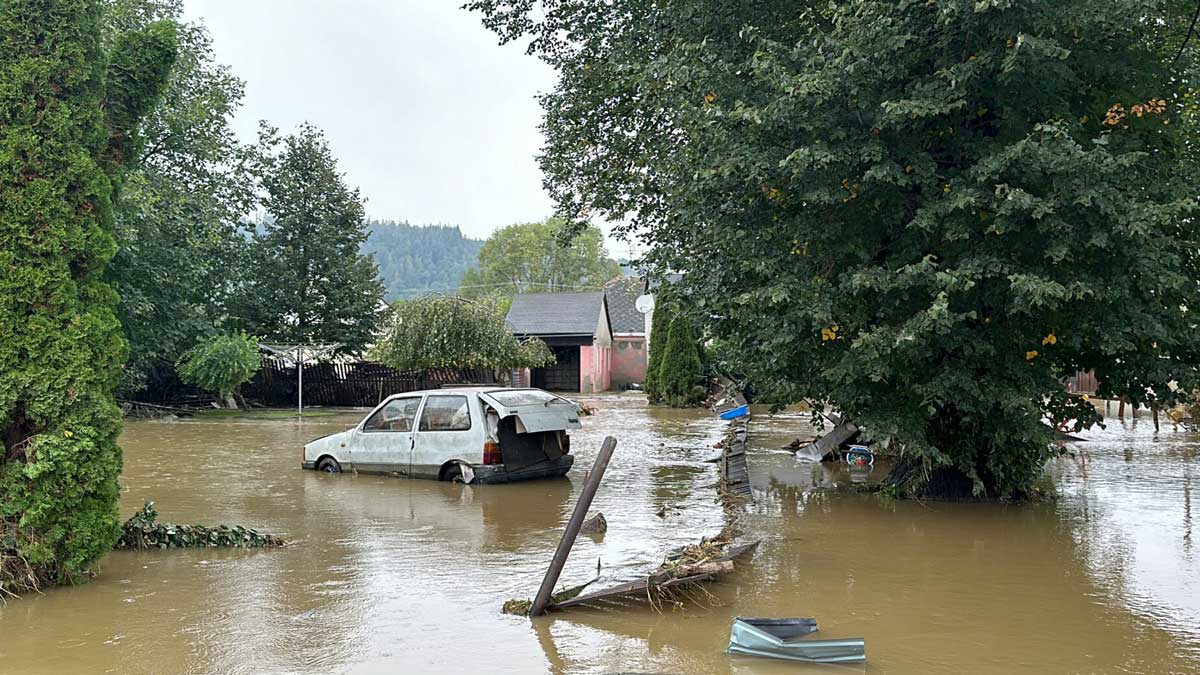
(448, 332)
(221, 363)
(660, 323)
(142, 531)
(680, 380)
(306, 281)
(415, 260)
(532, 258)
(924, 214)
(64, 138)
(177, 222)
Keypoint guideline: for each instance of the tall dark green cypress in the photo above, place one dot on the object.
(681, 374)
(68, 126)
(660, 322)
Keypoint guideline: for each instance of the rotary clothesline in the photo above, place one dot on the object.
(299, 355)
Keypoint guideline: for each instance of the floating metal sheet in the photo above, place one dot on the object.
(783, 639)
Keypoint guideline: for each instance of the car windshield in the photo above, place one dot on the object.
(519, 397)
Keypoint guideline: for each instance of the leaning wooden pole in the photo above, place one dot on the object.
(573, 525)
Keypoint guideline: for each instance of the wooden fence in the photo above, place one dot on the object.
(1082, 383)
(349, 384)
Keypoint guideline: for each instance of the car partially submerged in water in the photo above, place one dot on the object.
(468, 434)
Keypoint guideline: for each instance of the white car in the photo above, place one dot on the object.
(470, 434)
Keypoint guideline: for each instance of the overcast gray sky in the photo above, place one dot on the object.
(426, 113)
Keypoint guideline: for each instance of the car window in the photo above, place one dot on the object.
(519, 397)
(397, 415)
(446, 413)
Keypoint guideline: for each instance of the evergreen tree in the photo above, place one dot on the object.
(680, 376)
(68, 127)
(660, 322)
(418, 259)
(308, 283)
(924, 214)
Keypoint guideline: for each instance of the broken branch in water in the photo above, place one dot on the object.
(142, 532)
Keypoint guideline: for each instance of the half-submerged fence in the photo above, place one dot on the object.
(325, 384)
(349, 384)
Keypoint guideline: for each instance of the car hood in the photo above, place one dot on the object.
(330, 442)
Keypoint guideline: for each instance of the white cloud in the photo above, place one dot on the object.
(426, 113)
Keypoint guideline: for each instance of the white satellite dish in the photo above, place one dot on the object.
(644, 303)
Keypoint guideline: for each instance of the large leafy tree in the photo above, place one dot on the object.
(923, 213)
(178, 221)
(307, 282)
(69, 117)
(437, 331)
(534, 258)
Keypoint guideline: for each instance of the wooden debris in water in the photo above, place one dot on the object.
(681, 570)
(594, 524)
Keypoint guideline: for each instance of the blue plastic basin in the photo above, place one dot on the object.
(733, 414)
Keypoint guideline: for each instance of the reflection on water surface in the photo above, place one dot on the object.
(389, 575)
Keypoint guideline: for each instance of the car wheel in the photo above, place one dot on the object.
(452, 473)
(329, 465)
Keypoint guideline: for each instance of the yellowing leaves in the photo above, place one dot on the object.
(1117, 113)
(68, 434)
(774, 194)
(830, 333)
(710, 97)
(1031, 355)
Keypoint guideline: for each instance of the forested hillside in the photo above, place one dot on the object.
(415, 258)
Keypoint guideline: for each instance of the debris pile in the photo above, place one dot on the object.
(142, 532)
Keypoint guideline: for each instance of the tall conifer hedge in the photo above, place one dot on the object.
(68, 125)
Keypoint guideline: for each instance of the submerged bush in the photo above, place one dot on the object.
(142, 531)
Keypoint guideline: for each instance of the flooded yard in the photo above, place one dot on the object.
(390, 575)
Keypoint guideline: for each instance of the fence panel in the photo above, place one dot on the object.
(360, 384)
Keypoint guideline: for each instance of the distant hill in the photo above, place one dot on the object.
(415, 259)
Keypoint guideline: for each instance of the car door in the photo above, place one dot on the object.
(448, 430)
(384, 443)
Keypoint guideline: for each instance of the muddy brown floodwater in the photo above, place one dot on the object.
(391, 576)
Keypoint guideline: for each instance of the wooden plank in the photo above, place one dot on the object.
(631, 588)
(573, 525)
(639, 587)
(835, 438)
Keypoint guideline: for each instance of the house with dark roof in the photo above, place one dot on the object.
(577, 328)
(629, 356)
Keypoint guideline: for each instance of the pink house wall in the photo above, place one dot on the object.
(628, 360)
(595, 365)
